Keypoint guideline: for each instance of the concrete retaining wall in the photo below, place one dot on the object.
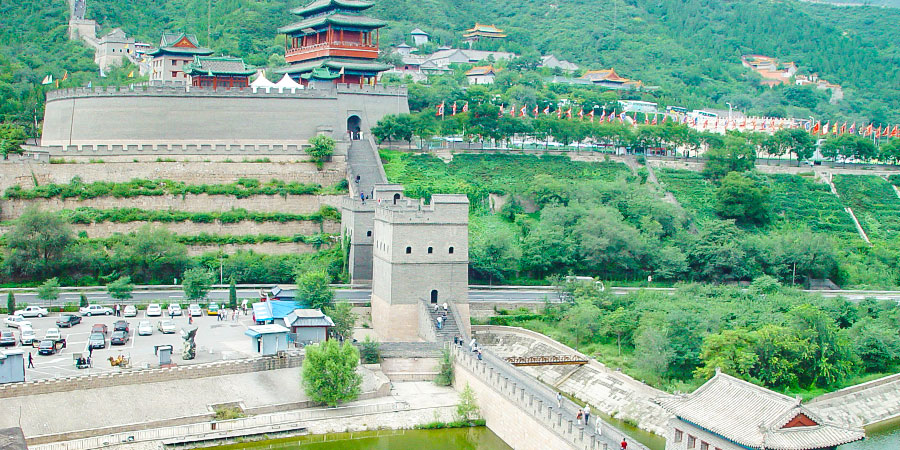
(861, 405)
(142, 376)
(195, 172)
(268, 248)
(107, 229)
(290, 204)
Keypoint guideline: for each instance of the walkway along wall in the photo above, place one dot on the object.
(525, 414)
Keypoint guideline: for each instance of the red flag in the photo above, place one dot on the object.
(65, 76)
(558, 112)
(646, 119)
(665, 117)
(654, 120)
(581, 113)
(844, 128)
(853, 128)
(592, 115)
(501, 111)
(440, 110)
(896, 132)
(816, 128)
(512, 111)
(466, 107)
(868, 130)
(569, 113)
(535, 111)
(522, 111)
(547, 110)
(611, 115)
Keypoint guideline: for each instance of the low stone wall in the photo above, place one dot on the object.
(107, 229)
(193, 172)
(142, 376)
(289, 204)
(483, 310)
(608, 390)
(410, 369)
(863, 404)
(268, 248)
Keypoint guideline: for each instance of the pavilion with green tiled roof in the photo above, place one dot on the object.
(175, 52)
(333, 36)
(219, 72)
(179, 44)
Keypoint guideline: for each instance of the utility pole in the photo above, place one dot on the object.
(208, 20)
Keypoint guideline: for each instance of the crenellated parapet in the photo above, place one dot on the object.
(172, 90)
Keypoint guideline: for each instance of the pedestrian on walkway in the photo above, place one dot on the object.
(440, 321)
(445, 306)
(117, 310)
(480, 358)
(436, 307)
(472, 344)
(598, 427)
(362, 197)
(558, 400)
(624, 444)
(579, 416)
(587, 415)
(190, 318)
(30, 361)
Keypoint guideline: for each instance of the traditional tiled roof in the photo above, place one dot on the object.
(418, 31)
(755, 417)
(179, 43)
(336, 64)
(307, 318)
(481, 30)
(347, 20)
(222, 65)
(604, 75)
(324, 5)
(481, 70)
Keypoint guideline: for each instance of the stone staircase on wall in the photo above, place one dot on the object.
(363, 161)
(450, 327)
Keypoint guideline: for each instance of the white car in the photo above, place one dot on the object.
(26, 335)
(32, 311)
(195, 311)
(144, 328)
(130, 311)
(52, 333)
(166, 326)
(95, 310)
(16, 322)
(174, 309)
(153, 310)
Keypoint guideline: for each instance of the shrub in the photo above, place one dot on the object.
(369, 351)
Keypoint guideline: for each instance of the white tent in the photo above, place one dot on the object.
(261, 82)
(286, 82)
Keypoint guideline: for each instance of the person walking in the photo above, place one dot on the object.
(117, 309)
(30, 361)
(558, 400)
(190, 318)
(624, 444)
(479, 355)
(598, 427)
(587, 415)
(579, 416)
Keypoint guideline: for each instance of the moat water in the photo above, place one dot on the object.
(478, 438)
(885, 436)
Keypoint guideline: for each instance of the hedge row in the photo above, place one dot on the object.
(125, 215)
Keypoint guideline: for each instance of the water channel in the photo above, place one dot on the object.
(884, 436)
(478, 438)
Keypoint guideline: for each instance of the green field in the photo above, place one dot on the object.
(874, 202)
(693, 191)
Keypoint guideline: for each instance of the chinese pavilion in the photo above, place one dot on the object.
(175, 51)
(334, 35)
(219, 72)
(480, 31)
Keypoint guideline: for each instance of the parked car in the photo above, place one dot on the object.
(174, 310)
(52, 333)
(120, 325)
(130, 311)
(68, 320)
(153, 310)
(166, 326)
(119, 337)
(7, 339)
(49, 346)
(99, 328)
(144, 328)
(32, 311)
(16, 322)
(194, 310)
(26, 335)
(95, 310)
(212, 309)
(97, 340)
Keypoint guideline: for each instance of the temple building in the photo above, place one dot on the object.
(610, 79)
(728, 413)
(175, 51)
(219, 72)
(480, 31)
(336, 36)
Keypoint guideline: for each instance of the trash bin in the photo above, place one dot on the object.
(165, 354)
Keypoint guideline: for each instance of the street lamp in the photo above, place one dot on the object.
(730, 107)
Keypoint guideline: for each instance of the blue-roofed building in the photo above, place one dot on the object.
(272, 310)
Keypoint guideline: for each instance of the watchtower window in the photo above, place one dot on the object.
(396, 198)
(451, 250)
(408, 250)
(369, 233)
(430, 250)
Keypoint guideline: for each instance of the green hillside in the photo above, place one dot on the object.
(690, 49)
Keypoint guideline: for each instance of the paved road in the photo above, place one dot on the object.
(476, 294)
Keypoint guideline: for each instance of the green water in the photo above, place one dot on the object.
(884, 436)
(478, 438)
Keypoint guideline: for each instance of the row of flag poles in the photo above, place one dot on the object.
(49, 78)
(769, 124)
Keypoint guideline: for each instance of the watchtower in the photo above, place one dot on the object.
(358, 228)
(421, 258)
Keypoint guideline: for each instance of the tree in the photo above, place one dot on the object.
(49, 290)
(121, 288)
(151, 255)
(583, 320)
(729, 350)
(313, 289)
(10, 302)
(232, 295)
(652, 343)
(38, 243)
(196, 283)
(796, 141)
(343, 317)
(369, 351)
(11, 139)
(82, 300)
(828, 356)
(619, 323)
(744, 199)
(467, 408)
(320, 149)
(735, 155)
(329, 373)
(876, 343)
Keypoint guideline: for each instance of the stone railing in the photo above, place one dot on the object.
(283, 360)
(328, 92)
(243, 150)
(537, 401)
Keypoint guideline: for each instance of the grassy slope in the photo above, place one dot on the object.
(874, 202)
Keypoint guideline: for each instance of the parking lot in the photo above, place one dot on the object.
(216, 340)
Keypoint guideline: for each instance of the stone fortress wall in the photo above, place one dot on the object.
(186, 120)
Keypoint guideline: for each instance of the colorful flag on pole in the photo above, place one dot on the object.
(558, 112)
(654, 120)
(611, 115)
(512, 111)
(131, 74)
(66, 76)
(868, 130)
(453, 109)
(536, 111)
(853, 128)
(896, 132)
(501, 111)
(47, 80)
(522, 111)
(547, 110)
(440, 110)
(592, 115)
(466, 107)
(581, 113)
